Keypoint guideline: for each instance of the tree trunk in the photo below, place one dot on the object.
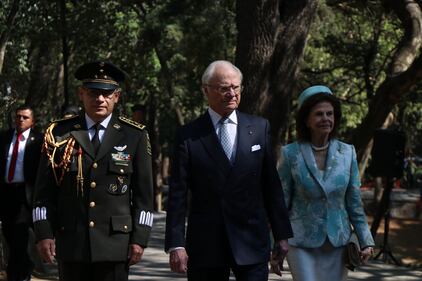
(155, 149)
(403, 73)
(168, 83)
(387, 95)
(41, 74)
(271, 40)
(4, 36)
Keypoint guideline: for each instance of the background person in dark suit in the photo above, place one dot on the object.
(96, 199)
(20, 153)
(224, 160)
(139, 113)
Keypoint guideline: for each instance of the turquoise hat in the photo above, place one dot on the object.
(309, 92)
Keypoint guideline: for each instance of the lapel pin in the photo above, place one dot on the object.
(116, 126)
(250, 132)
(77, 126)
(255, 147)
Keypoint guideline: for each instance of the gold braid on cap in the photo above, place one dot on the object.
(50, 147)
(100, 80)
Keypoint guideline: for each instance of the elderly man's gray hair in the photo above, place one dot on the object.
(209, 72)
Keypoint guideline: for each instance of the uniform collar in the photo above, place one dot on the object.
(90, 122)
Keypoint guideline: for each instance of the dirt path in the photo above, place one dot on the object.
(404, 239)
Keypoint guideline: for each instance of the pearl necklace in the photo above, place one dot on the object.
(320, 148)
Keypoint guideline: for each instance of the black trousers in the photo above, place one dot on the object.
(254, 272)
(97, 271)
(16, 221)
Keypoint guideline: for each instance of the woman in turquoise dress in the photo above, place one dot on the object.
(321, 184)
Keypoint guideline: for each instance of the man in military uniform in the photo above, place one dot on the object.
(93, 197)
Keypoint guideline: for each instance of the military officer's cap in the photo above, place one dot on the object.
(100, 75)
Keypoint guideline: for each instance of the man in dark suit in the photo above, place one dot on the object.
(93, 193)
(224, 160)
(20, 153)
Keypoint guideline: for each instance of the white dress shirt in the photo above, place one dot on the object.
(91, 128)
(232, 127)
(18, 176)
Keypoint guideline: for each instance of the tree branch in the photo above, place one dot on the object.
(4, 36)
(409, 12)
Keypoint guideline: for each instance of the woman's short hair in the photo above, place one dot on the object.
(302, 130)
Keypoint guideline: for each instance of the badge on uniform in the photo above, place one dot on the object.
(116, 126)
(118, 188)
(112, 188)
(120, 148)
(121, 158)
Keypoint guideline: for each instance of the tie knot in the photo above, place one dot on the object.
(96, 126)
(224, 120)
(19, 136)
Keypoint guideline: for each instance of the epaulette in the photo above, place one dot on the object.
(65, 119)
(131, 122)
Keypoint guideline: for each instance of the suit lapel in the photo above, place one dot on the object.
(6, 146)
(9, 138)
(80, 133)
(8, 142)
(244, 132)
(212, 144)
(29, 142)
(112, 136)
(332, 158)
(310, 162)
(31, 138)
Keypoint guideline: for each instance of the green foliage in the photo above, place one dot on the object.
(164, 46)
(348, 49)
(410, 120)
(138, 36)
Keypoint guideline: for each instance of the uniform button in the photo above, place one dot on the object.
(95, 165)
(93, 184)
(91, 224)
(125, 227)
(92, 204)
(122, 171)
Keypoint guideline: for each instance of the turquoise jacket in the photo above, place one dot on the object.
(323, 203)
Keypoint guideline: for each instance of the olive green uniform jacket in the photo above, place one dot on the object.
(95, 221)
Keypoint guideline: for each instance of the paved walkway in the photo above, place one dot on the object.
(154, 265)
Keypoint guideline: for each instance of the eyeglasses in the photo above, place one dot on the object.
(94, 93)
(237, 89)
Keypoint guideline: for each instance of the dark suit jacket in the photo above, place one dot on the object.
(30, 162)
(113, 210)
(231, 206)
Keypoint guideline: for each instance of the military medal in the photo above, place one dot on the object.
(121, 158)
